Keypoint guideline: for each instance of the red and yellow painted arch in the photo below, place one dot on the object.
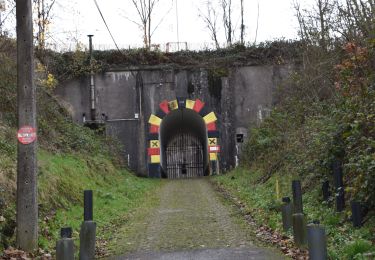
(155, 120)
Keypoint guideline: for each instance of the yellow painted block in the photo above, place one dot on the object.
(213, 156)
(173, 104)
(154, 120)
(154, 144)
(190, 104)
(212, 141)
(155, 158)
(211, 117)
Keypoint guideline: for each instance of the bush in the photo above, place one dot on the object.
(357, 249)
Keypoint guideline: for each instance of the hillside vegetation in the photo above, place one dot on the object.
(71, 159)
(325, 114)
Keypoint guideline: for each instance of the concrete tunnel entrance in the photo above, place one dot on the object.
(183, 140)
(183, 145)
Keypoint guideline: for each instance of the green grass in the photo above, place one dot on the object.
(62, 180)
(344, 241)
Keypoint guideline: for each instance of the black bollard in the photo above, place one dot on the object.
(287, 212)
(87, 240)
(326, 191)
(87, 205)
(88, 229)
(340, 199)
(66, 232)
(356, 214)
(337, 174)
(317, 241)
(297, 196)
(299, 230)
(65, 246)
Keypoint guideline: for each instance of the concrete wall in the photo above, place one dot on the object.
(240, 101)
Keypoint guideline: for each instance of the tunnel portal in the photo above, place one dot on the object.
(183, 140)
(183, 145)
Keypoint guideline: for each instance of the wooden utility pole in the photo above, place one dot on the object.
(27, 206)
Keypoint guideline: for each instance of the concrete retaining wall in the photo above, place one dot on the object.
(126, 98)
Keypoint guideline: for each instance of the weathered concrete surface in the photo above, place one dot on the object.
(240, 100)
(189, 222)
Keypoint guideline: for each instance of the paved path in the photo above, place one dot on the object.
(187, 221)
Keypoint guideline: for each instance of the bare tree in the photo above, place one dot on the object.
(328, 23)
(242, 24)
(226, 6)
(323, 10)
(146, 10)
(210, 19)
(316, 24)
(43, 13)
(224, 26)
(329, 19)
(257, 26)
(356, 19)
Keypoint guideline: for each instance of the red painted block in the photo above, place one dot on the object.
(164, 106)
(154, 129)
(211, 126)
(198, 105)
(214, 149)
(153, 151)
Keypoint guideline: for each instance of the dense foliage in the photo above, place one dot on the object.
(326, 109)
(304, 135)
(325, 114)
(73, 64)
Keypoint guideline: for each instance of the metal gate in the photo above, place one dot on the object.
(184, 156)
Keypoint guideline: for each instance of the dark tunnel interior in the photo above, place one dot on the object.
(183, 122)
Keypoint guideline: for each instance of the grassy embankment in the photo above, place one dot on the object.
(344, 241)
(63, 174)
(62, 179)
(71, 159)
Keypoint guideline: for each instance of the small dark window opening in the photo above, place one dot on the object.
(184, 170)
(239, 138)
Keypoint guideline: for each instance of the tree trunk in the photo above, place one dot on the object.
(242, 25)
(145, 38)
(322, 25)
(149, 24)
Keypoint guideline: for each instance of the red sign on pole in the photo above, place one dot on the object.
(26, 135)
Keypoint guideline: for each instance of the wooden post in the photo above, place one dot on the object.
(27, 206)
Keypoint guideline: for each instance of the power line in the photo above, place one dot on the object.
(2, 21)
(101, 14)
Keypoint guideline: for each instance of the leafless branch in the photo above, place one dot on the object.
(210, 20)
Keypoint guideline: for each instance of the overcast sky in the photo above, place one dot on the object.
(74, 19)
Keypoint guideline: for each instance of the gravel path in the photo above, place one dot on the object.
(188, 221)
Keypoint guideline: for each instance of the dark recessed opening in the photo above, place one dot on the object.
(239, 138)
(183, 145)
